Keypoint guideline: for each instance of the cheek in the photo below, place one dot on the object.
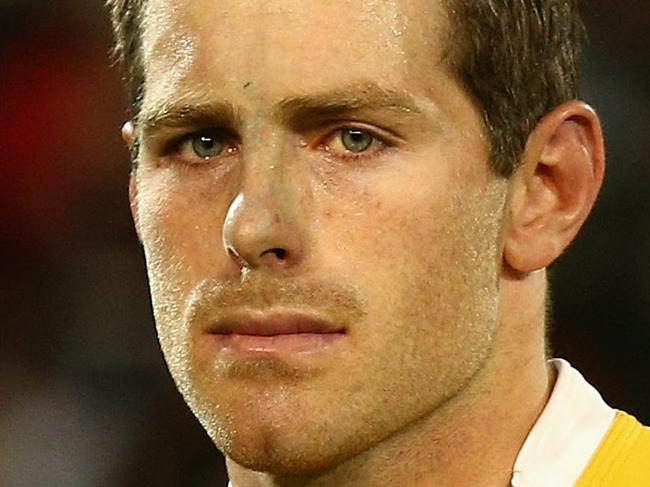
(428, 261)
(179, 222)
(399, 225)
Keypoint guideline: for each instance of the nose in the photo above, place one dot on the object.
(261, 228)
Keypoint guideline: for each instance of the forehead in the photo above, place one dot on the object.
(280, 45)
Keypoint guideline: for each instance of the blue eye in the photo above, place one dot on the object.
(208, 144)
(356, 141)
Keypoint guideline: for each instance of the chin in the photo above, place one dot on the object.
(278, 455)
(264, 436)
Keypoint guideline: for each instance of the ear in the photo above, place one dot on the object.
(555, 187)
(128, 135)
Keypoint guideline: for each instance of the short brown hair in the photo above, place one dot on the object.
(517, 58)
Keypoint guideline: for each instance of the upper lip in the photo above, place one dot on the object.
(271, 324)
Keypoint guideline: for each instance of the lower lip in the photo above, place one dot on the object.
(297, 343)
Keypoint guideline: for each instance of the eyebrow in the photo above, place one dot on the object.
(295, 111)
(301, 110)
(176, 115)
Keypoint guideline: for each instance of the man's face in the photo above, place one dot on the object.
(320, 167)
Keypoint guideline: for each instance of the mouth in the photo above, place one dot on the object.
(275, 334)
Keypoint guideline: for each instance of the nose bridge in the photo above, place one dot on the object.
(262, 227)
(265, 172)
(269, 178)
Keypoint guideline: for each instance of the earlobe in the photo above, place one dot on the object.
(555, 187)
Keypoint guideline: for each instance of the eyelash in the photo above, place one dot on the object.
(378, 144)
(174, 146)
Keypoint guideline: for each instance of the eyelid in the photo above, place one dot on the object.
(167, 143)
(173, 146)
(381, 136)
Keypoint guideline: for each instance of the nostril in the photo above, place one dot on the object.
(280, 253)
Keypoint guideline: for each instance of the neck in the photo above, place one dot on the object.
(475, 437)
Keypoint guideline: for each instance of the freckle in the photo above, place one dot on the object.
(276, 218)
(378, 204)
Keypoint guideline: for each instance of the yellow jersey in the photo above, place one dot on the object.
(622, 458)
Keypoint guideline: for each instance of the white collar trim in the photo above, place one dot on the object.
(566, 435)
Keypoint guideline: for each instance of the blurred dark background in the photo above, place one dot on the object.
(85, 396)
